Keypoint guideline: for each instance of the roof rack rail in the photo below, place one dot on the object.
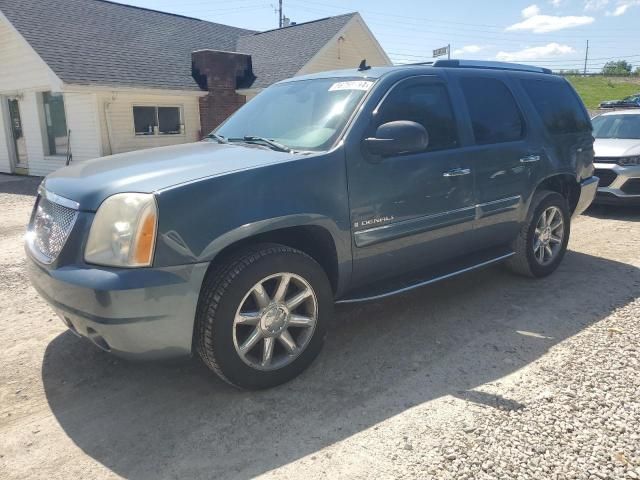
(490, 65)
(415, 63)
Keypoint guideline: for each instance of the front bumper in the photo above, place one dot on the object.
(588, 188)
(624, 189)
(144, 313)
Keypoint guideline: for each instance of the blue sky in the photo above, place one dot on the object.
(550, 33)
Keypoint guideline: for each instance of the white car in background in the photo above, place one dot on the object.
(617, 157)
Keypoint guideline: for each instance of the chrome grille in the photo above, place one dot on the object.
(50, 227)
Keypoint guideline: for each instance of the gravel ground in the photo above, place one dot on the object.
(584, 423)
(485, 376)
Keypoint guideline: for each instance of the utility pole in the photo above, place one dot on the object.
(449, 52)
(280, 17)
(586, 56)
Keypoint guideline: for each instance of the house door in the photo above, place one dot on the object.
(19, 144)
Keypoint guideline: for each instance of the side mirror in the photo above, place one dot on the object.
(395, 138)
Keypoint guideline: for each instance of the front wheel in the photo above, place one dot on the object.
(543, 238)
(261, 316)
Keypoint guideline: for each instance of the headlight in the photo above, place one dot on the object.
(628, 161)
(123, 233)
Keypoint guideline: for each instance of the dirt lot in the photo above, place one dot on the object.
(483, 376)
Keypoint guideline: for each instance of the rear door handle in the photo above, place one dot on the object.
(530, 159)
(457, 172)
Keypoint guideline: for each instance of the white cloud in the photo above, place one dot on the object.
(535, 53)
(531, 11)
(468, 49)
(556, 3)
(593, 5)
(623, 6)
(537, 23)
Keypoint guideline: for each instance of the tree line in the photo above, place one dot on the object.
(614, 67)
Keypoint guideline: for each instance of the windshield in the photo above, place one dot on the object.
(616, 126)
(301, 115)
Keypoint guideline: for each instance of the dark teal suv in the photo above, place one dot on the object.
(342, 187)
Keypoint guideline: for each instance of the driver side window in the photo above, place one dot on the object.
(426, 103)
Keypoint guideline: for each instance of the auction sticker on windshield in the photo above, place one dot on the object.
(351, 85)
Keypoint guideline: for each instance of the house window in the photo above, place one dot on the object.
(56, 123)
(156, 120)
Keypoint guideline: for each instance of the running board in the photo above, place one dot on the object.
(394, 287)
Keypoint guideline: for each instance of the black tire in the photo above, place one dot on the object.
(524, 261)
(222, 293)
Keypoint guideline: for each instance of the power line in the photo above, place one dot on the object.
(569, 60)
(387, 28)
(431, 21)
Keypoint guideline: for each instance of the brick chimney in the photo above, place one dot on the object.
(220, 73)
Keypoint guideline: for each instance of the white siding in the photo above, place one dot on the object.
(22, 74)
(117, 107)
(82, 120)
(81, 110)
(21, 68)
(347, 49)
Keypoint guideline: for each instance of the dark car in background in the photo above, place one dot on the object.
(627, 102)
(342, 186)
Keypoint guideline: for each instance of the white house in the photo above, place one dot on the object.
(95, 77)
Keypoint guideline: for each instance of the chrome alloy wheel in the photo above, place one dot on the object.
(548, 236)
(275, 321)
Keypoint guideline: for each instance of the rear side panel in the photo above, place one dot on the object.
(563, 121)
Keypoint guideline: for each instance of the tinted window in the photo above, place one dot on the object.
(169, 120)
(425, 103)
(558, 106)
(157, 120)
(494, 114)
(144, 119)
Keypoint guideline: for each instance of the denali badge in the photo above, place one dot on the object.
(372, 221)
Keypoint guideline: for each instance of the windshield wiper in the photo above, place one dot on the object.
(218, 138)
(278, 147)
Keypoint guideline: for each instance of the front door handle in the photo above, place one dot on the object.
(457, 172)
(530, 159)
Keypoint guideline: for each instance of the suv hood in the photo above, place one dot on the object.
(146, 171)
(616, 147)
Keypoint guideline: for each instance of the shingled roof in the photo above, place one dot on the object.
(104, 43)
(279, 54)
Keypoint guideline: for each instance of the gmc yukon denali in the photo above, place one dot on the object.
(337, 187)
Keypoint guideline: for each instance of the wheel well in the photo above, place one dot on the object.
(565, 185)
(315, 241)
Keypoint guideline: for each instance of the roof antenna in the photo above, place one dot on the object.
(363, 65)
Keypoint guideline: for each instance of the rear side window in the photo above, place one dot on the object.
(558, 106)
(495, 117)
(426, 103)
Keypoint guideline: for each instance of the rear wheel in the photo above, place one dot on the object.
(262, 314)
(543, 238)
